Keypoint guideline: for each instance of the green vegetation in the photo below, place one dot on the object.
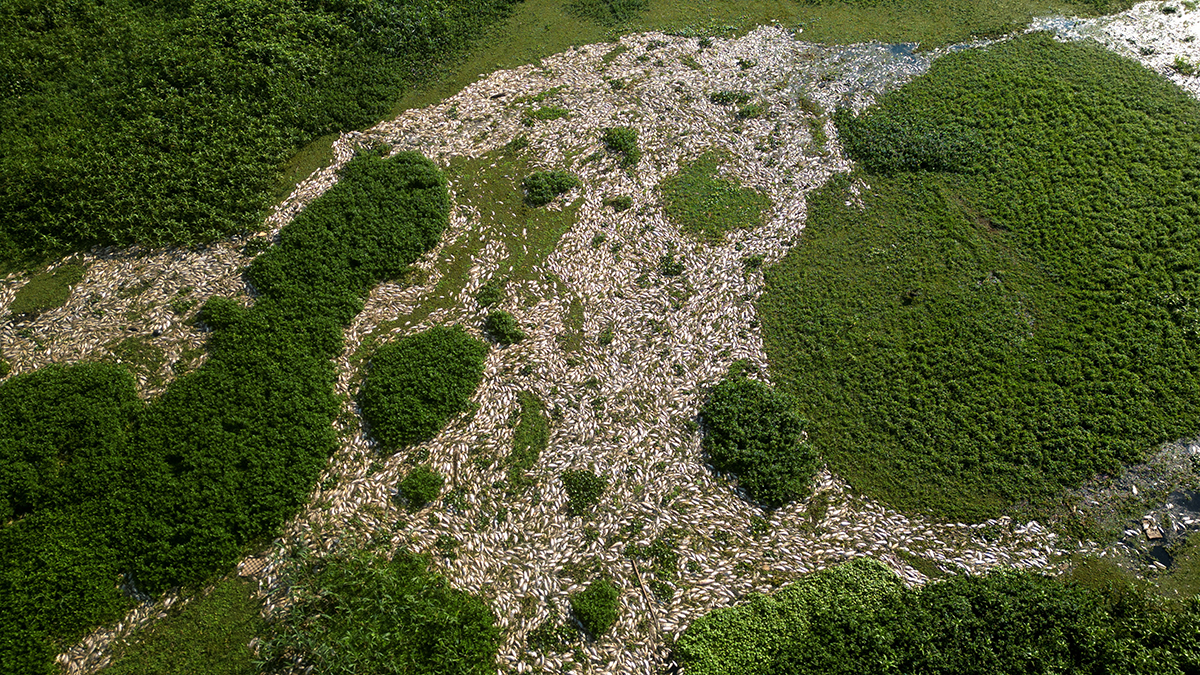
(858, 618)
(360, 613)
(753, 431)
(542, 114)
(5, 367)
(491, 293)
(706, 206)
(584, 489)
(623, 141)
(974, 341)
(730, 97)
(886, 142)
(542, 187)
(421, 486)
(415, 385)
(529, 439)
(751, 110)
(596, 607)
(139, 356)
(171, 494)
(44, 291)
(608, 12)
(169, 122)
(209, 636)
(503, 328)
(619, 203)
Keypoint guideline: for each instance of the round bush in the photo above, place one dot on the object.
(596, 607)
(543, 186)
(415, 385)
(583, 490)
(421, 486)
(503, 328)
(753, 432)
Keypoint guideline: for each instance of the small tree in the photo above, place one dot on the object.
(542, 187)
(421, 486)
(623, 141)
(596, 607)
(503, 328)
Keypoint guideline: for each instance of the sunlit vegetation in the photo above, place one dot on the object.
(210, 636)
(529, 439)
(753, 431)
(170, 122)
(584, 489)
(975, 341)
(858, 618)
(358, 612)
(421, 486)
(706, 205)
(170, 494)
(45, 291)
(502, 326)
(596, 607)
(541, 187)
(415, 385)
(623, 141)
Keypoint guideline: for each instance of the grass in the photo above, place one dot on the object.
(317, 154)
(706, 206)
(972, 343)
(209, 636)
(46, 291)
(140, 356)
(529, 440)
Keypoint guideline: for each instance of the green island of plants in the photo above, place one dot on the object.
(171, 493)
(753, 431)
(45, 291)
(974, 341)
(358, 612)
(623, 141)
(541, 187)
(858, 618)
(530, 438)
(502, 326)
(584, 489)
(707, 206)
(596, 607)
(415, 385)
(421, 486)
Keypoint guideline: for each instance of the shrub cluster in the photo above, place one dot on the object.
(584, 489)
(858, 618)
(543, 186)
(421, 486)
(175, 131)
(171, 493)
(623, 141)
(886, 142)
(752, 430)
(503, 328)
(973, 341)
(415, 385)
(596, 607)
(360, 613)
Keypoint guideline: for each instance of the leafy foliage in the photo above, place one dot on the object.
(707, 206)
(885, 142)
(503, 328)
(972, 341)
(542, 187)
(623, 141)
(752, 430)
(421, 486)
(170, 494)
(415, 385)
(596, 607)
(46, 291)
(358, 612)
(491, 293)
(858, 618)
(730, 97)
(584, 489)
(168, 121)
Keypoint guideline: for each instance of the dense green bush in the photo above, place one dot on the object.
(596, 607)
(421, 486)
(543, 186)
(584, 489)
(415, 385)
(491, 293)
(503, 328)
(46, 291)
(968, 342)
(883, 142)
(167, 121)
(170, 494)
(752, 430)
(623, 141)
(857, 618)
(359, 613)
(730, 97)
